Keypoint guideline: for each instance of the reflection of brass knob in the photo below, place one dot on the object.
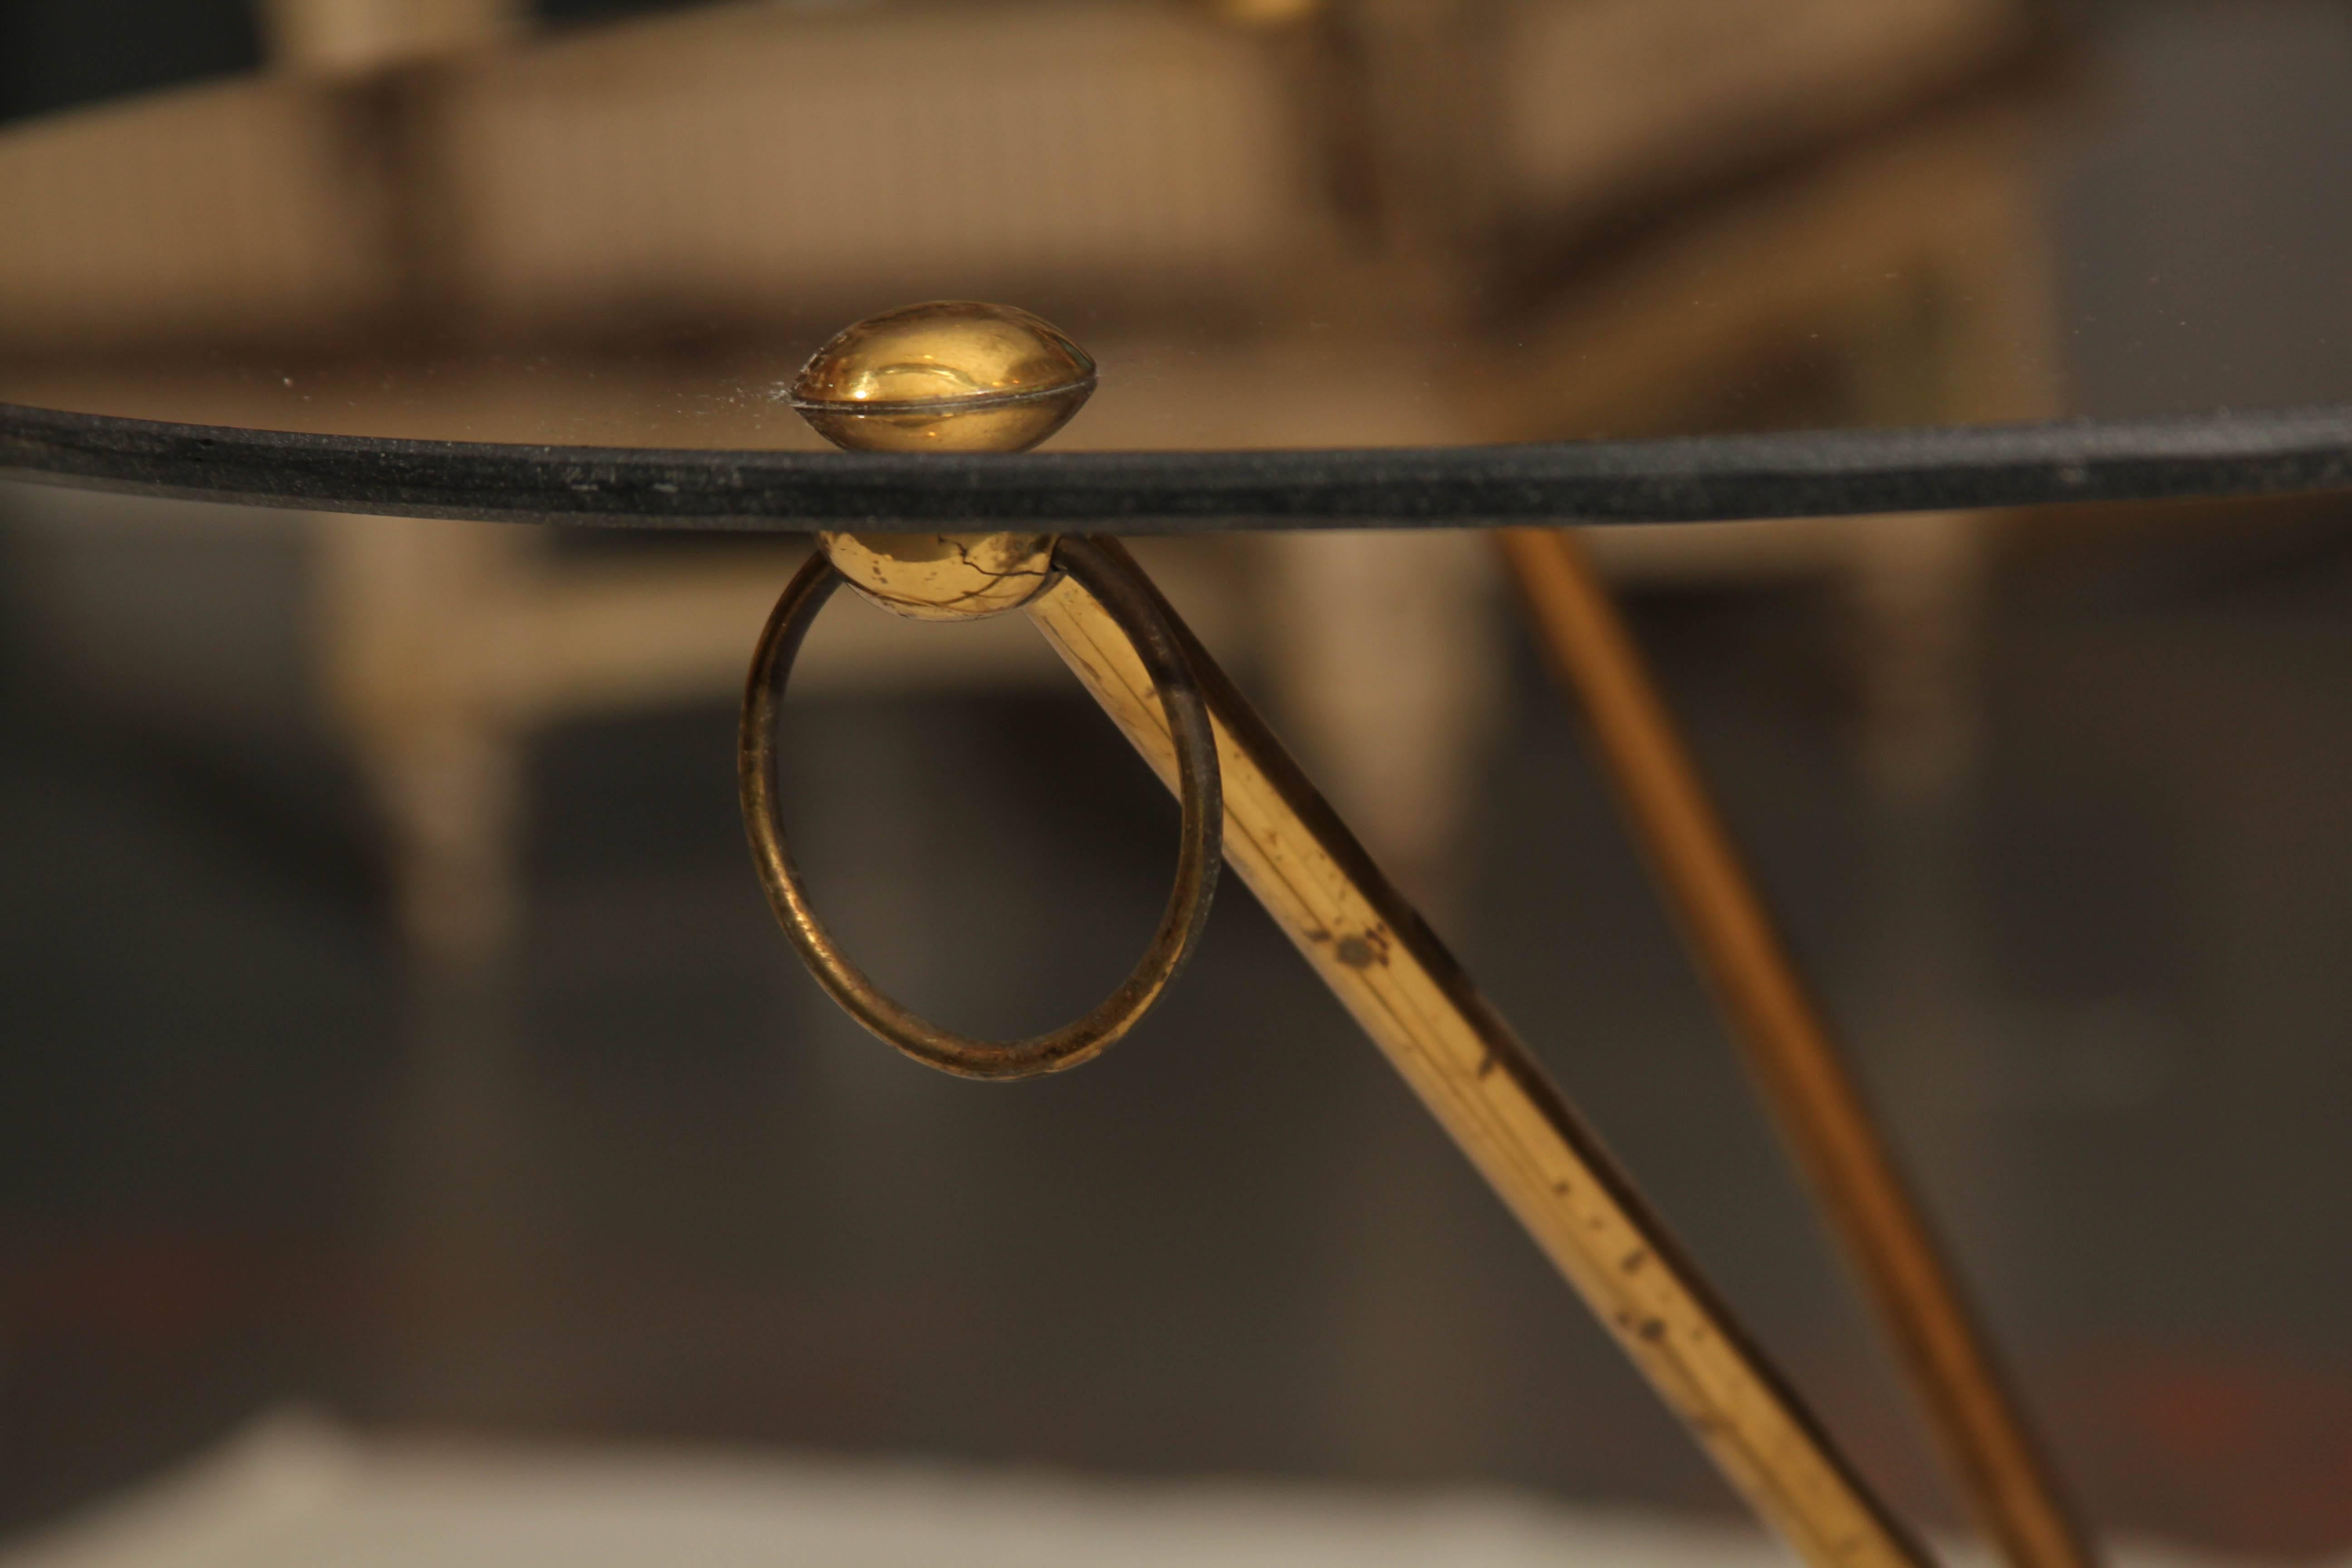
(943, 576)
(952, 377)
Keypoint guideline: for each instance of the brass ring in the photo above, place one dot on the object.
(1136, 609)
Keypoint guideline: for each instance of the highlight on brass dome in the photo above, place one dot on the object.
(953, 375)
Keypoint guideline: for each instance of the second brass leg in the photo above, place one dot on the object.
(1978, 1422)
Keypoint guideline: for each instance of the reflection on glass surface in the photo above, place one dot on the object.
(1273, 223)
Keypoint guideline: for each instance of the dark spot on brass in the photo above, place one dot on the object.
(1559, 1189)
(1485, 1065)
(1354, 952)
(1633, 1260)
(1654, 1330)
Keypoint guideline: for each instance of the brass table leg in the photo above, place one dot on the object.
(1789, 1049)
(1412, 997)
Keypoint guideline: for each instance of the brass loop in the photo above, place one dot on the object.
(1135, 611)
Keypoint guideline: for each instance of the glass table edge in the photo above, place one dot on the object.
(1687, 478)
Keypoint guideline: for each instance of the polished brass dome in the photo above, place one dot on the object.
(953, 375)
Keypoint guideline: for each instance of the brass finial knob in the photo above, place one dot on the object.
(961, 377)
(951, 376)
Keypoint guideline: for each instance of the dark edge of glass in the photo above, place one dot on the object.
(1679, 479)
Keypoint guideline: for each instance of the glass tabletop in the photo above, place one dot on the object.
(1535, 259)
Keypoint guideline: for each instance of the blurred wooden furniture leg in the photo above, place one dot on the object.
(353, 38)
(1383, 650)
(1385, 656)
(1968, 336)
(1795, 1061)
(396, 618)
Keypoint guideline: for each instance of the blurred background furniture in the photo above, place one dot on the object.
(754, 173)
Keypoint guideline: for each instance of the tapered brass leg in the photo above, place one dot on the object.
(1789, 1049)
(1482, 1086)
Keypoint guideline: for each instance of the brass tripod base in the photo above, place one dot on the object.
(964, 376)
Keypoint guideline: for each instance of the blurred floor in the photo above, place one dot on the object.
(292, 1492)
(2096, 992)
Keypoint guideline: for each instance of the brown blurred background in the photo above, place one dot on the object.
(389, 1020)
